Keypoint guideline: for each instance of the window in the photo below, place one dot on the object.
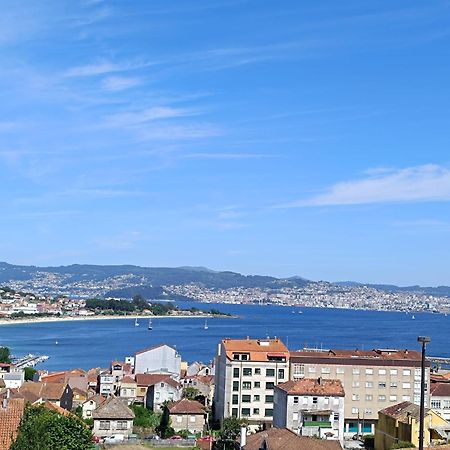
(393, 384)
(369, 371)
(247, 371)
(257, 371)
(245, 411)
(270, 372)
(270, 385)
(335, 417)
(315, 400)
(269, 398)
(369, 398)
(256, 398)
(246, 385)
(299, 370)
(406, 385)
(236, 372)
(246, 398)
(257, 384)
(355, 397)
(179, 419)
(368, 411)
(295, 416)
(406, 398)
(436, 404)
(355, 371)
(406, 372)
(105, 425)
(268, 412)
(381, 398)
(381, 384)
(244, 357)
(235, 386)
(280, 374)
(192, 419)
(336, 401)
(355, 384)
(392, 398)
(446, 404)
(88, 413)
(312, 370)
(326, 401)
(381, 371)
(340, 370)
(305, 400)
(295, 400)
(355, 410)
(256, 411)
(325, 370)
(235, 399)
(369, 384)
(393, 371)
(234, 412)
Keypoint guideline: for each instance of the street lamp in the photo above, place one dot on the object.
(424, 340)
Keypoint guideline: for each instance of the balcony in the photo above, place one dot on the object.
(316, 423)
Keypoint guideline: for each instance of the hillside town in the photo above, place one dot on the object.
(254, 392)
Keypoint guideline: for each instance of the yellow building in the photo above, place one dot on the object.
(401, 423)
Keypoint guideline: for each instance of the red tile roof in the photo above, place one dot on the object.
(150, 379)
(284, 439)
(9, 422)
(440, 389)
(186, 406)
(313, 386)
(258, 349)
(403, 411)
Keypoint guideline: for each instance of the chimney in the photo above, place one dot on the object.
(243, 437)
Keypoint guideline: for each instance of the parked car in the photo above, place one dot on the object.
(176, 438)
(115, 439)
(152, 437)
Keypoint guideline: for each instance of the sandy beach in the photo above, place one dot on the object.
(31, 320)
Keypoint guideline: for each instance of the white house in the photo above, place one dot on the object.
(90, 405)
(113, 417)
(159, 359)
(155, 389)
(311, 407)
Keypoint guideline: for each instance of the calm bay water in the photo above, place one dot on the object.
(88, 344)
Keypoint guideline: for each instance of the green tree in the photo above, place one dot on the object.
(29, 373)
(191, 393)
(402, 444)
(43, 429)
(5, 355)
(229, 432)
(145, 418)
(164, 428)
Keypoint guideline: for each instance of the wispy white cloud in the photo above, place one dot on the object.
(102, 68)
(426, 183)
(222, 155)
(117, 83)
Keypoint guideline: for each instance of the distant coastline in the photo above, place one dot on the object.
(32, 320)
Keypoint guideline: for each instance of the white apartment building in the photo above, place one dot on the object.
(311, 407)
(372, 380)
(159, 359)
(247, 370)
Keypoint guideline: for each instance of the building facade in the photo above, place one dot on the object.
(159, 359)
(311, 407)
(372, 380)
(246, 373)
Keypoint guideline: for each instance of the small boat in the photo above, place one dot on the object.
(56, 342)
(300, 312)
(136, 323)
(412, 317)
(206, 325)
(150, 324)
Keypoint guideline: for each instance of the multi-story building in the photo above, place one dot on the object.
(440, 398)
(247, 370)
(372, 380)
(107, 383)
(159, 359)
(311, 407)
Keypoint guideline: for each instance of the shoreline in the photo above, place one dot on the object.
(32, 320)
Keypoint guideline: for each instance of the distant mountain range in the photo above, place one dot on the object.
(127, 280)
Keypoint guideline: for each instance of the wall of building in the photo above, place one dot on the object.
(162, 359)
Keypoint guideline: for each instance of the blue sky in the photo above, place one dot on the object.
(286, 138)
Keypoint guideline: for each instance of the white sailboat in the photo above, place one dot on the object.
(136, 323)
(206, 325)
(150, 324)
(412, 317)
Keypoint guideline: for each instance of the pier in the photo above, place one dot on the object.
(30, 360)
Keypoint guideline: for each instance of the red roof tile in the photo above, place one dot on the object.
(9, 422)
(313, 386)
(186, 406)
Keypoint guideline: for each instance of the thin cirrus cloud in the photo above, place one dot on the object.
(117, 83)
(426, 183)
